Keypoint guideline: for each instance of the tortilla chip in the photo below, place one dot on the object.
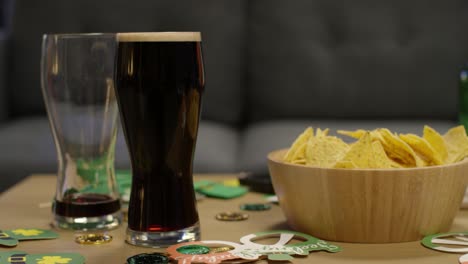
(360, 153)
(457, 144)
(380, 159)
(366, 153)
(300, 140)
(423, 149)
(299, 161)
(345, 164)
(357, 134)
(436, 141)
(299, 154)
(325, 151)
(321, 133)
(398, 150)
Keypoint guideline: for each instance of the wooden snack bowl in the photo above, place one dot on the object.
(368, 205)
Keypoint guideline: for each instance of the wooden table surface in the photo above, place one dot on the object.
(19, 207)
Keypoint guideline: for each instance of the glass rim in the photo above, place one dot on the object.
(78, 35)
(160, 36)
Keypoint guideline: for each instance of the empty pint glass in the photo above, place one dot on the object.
(78, 90)
(159, 84)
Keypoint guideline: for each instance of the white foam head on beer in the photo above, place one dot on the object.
(159, 37)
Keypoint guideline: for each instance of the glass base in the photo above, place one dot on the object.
(163, 239)
(104, 222)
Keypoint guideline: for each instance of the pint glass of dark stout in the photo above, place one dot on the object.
(159, 83)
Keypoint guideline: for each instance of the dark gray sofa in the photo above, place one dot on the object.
(273, 67)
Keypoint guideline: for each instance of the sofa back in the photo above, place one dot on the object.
(270, 59)
(221, 22)
(355, 59)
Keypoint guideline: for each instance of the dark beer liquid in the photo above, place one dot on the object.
(159, 86)
(86, 205)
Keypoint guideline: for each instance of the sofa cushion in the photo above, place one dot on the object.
(221, 23)
(261, 138)
(217, 148)
(355, 59)
(27, 147)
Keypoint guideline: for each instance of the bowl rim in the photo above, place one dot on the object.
(272, 158)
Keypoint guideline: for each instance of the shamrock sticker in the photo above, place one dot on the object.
(10, 238)
(27, 232)
(53, 260)
(48, 258)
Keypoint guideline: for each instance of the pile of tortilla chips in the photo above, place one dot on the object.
(379, 148)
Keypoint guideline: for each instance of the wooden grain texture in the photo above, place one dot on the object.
(19, 208)
(369, 205)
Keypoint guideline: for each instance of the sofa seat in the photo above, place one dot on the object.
(27, 147)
